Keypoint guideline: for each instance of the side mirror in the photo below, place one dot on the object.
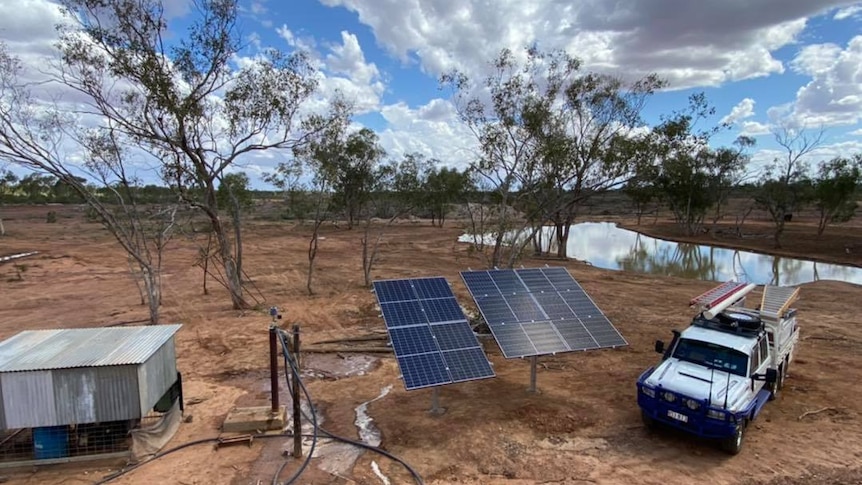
(659, 347)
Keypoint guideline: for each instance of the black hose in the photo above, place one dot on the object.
(295, 372)
(290, 364)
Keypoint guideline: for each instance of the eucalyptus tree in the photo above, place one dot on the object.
(8, 181)
(694, 177)
(43, 138)
(785, 182)
(590, 141)
(182, 96)
(550, 136)
(835, 189)
(444, 186)
(501, 111)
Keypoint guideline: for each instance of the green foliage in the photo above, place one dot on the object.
(692, 176)
(444, 186)
(785, 186)
(234, 194)
(834, 191)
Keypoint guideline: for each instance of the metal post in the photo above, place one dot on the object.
(297, 412)
(273, 367)
(533, 361)
(435, 402)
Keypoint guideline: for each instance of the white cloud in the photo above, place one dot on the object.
(834, 94)
(432, 129)
(690, 43)
(754, 128)
(762, 158)
(346, 71)
(743, 110)
(856, 132)
(852, 11)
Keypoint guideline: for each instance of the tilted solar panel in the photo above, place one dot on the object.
(537, 311)
(432, 340)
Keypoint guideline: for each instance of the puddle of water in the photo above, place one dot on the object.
(368, 433)
(607, 246)
(333, 366)
(338, 458)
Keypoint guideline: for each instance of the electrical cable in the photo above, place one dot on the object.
(291, 365)
(289, 362)
(295, 372)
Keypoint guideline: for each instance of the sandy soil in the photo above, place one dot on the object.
(583, 426)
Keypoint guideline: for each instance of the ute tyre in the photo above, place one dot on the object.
(733, 445)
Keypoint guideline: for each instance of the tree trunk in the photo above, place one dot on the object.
(779, 229)
(152, 284)
(231, 272)
(312, 255)
(2, 229)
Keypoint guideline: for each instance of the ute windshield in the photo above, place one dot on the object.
(712, 355)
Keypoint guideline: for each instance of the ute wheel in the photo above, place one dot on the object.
(649, 422)
(733, 445)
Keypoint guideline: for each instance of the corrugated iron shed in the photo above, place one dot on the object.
(75, 376)
(85, 347)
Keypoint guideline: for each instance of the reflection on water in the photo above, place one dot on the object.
(605, 245)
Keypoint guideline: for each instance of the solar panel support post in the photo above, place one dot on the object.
(533, 360)
(435, 402)
(273, 366)
(297, 411)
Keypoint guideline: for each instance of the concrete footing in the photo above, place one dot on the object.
(252, 419)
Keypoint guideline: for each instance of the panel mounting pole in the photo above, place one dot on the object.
(435, 402)
(533, 360)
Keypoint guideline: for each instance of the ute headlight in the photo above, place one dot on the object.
(649, 391)
(692, 404)
(668, 396)
(716, 414)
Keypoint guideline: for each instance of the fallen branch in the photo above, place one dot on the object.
(335, 350)
(811, 413)
(362, 338)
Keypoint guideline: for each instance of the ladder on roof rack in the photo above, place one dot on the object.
(716, 295)
(776, 300)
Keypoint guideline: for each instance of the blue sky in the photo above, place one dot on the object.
(761, 63)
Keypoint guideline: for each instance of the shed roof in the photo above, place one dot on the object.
(82, 347)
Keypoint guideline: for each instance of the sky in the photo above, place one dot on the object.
(760, 63)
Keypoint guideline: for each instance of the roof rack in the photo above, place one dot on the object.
(728, 326)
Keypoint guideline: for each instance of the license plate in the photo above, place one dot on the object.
(678, 416)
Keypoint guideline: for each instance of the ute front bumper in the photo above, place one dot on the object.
(677, 415)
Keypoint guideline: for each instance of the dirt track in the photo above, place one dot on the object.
(583, 426)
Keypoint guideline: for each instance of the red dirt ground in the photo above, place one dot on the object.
(583, 426)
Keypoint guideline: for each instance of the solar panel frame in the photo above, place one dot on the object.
(431, 337)
(546, 312)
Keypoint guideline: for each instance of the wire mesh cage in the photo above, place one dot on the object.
(63, 442)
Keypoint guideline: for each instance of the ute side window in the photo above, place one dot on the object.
(756, 359)
(764, 350)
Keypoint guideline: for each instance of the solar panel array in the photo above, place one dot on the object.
(432, 339)
(538, 311)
